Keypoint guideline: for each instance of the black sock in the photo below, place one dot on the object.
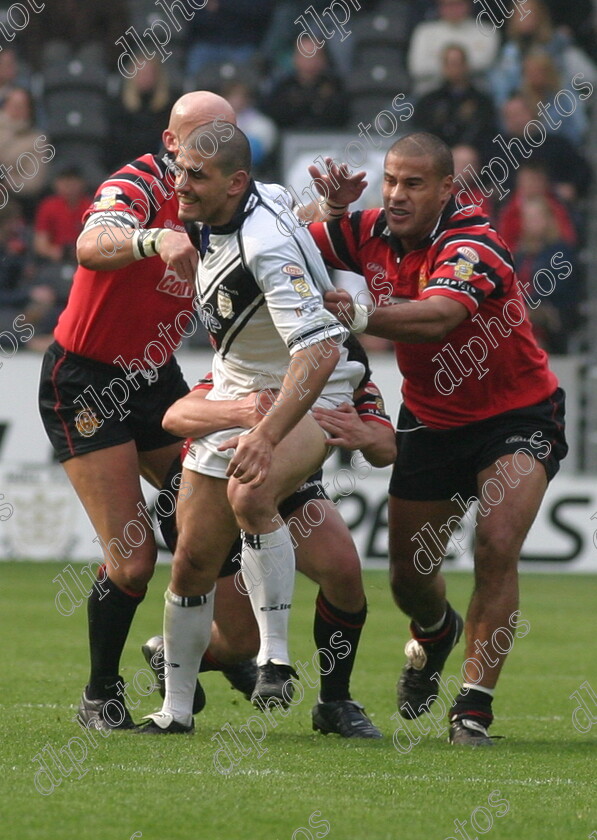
(210, 663)
(472, 704)
(435, 635)
(332, 630)
(109, 618)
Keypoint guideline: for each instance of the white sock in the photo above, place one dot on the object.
(187, 630)
(268, 571)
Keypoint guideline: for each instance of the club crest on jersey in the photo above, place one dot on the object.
(463, 269)
(86, 422)
(225, 307)
(423, 278)
(469, 254)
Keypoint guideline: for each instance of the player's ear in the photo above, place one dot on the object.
(239, 181)
(169, 141)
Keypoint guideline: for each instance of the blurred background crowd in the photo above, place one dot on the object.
(59, 79)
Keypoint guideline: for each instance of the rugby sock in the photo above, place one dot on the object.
(187, 628)
(337, 633)
(437, 632)
(268, 572)
(210, 663)
(110, 612)
(473, 704)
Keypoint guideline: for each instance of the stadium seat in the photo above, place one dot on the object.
(76, 115)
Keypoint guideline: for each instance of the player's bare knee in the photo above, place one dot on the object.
(253, 508)
(136, 572)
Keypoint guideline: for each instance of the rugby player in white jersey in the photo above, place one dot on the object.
(260, 294)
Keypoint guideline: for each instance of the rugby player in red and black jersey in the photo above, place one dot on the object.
(110, 375)
(482, 416)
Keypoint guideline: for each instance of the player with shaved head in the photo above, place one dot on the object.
(110, 375)
(482, 416)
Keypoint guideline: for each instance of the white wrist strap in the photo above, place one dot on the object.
(361, 318)
(145, 243)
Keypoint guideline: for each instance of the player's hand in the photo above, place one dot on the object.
(252, 459)
(344, 425)
(254, 407)
(339, 303)
(342, 186)
(179, 254)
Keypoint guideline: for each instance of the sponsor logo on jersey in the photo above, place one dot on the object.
(276, 607)
(225, 307)
(308, 306)
(469, 254)
(301, 287)
(377, 268)
(293, 270)
(517, 439)
(171, 284)
(109, 192)
(173, 226)
(463, 269)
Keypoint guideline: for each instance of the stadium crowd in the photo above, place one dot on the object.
(68, 117)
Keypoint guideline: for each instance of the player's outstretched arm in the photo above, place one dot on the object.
(415, 322)
(308, 372)
(376, 441)
(195, 416)
(107, 247)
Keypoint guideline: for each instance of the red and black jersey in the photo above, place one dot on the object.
(130, 311)
(488, 364)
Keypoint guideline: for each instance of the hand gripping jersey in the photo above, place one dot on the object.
(138, 312)
(259, 291)
(488, 364)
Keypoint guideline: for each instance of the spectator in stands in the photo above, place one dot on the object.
(57, 226)
(532, 181)
(456, 24)
(457, 111)
(576, 19)
(541, 84)
(19, 150)
(141, 112)
(522, 36)
(19, 293)
(544, 260)
(569, 172)
(75, 25)
(311, 96)
(467, 160)
(260, 130)
(226, 30)
(9, 73)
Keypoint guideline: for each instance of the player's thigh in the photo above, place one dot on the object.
(204, 519)
(507, 512)
(107, 483)
(299, 454)
(419, 532)
(155, 464)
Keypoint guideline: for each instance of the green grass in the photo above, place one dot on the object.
(168, 789)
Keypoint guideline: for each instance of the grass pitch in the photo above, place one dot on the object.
(537, 784)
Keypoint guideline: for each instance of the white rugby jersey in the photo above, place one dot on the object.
(259, 294)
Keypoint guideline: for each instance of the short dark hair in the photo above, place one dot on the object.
(231, 147)
(422, 144)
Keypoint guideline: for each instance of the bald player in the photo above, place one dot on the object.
(110, 375)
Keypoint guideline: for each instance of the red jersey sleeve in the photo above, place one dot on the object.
(469, 265)
(139, 189)
(370, 405)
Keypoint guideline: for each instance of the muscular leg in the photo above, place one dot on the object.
(107, 483)
(268, 556)
(499, 538)
(206, 531)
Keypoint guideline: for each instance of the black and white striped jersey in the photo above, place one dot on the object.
(260, 288)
